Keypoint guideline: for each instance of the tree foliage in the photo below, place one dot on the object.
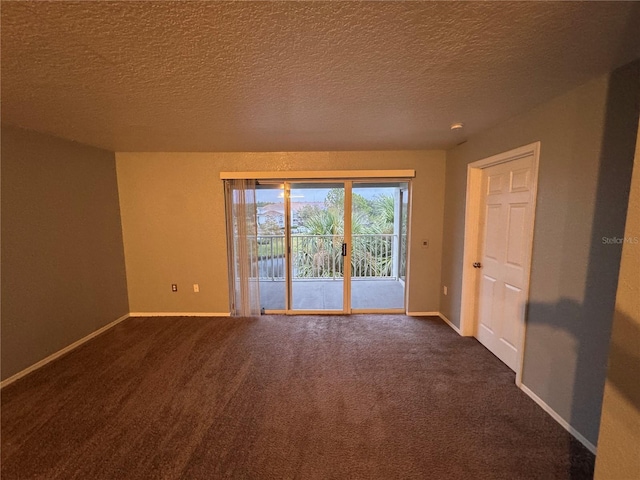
(320, 256)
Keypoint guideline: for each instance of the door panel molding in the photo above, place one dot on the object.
(474, 216)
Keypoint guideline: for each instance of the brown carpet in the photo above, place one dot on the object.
(366, 396)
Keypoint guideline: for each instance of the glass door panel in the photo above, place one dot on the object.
(377, 255)
(271, 218)
(316, 216)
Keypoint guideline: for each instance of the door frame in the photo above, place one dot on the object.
(347, 177)
(472, 240)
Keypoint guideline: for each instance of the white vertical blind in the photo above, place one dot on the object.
(243, 254)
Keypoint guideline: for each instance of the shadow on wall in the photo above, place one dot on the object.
(588, 325)
(624, 360)
(584, 380)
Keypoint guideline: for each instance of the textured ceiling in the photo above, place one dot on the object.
(288, 76)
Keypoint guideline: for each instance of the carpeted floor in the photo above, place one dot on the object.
(313, 397)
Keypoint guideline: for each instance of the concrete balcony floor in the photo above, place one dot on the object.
(327, 294)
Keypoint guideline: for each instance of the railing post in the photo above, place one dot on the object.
(271, 257)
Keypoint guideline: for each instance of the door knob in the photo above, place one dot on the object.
(477, 265)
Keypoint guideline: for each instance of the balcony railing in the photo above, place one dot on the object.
(320, 256)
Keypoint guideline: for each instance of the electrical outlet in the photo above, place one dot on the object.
(174, 287)
(196, 287)
(444, 289)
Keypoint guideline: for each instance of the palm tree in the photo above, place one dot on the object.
(384, 213)
(319, 254)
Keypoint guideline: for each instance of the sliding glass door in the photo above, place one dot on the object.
(272, 246)
(317, 245)
(332, 247)
(378, 247)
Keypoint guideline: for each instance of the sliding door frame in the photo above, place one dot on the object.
(347, 178)
(402, 310)
(346, 238)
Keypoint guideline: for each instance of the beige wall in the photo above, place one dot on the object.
(173, 221)
(619, 440)
(63, 274)
(587, 142)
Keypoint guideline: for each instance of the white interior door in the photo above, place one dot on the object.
(503, 264)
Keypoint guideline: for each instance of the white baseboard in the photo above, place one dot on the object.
(179, 314)
(59, 353)
(556, 416)
(450, 323)
(435, 314)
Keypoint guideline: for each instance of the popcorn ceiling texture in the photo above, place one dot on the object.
(291, 76)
